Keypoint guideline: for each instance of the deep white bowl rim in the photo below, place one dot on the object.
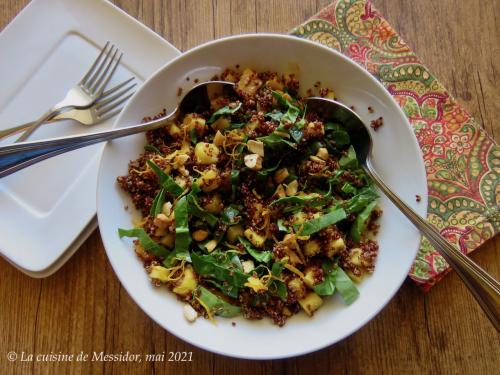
(423, 211)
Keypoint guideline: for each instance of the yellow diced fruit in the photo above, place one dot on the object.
(206, 153)
(256, 147)
(312, 248)
(255, 284)
(335, 247)
(222, 123)
(310, 278)
(251, 126)
(356, 278)
(159, 273)
(168, 240)
(187, 283)
(299, 218)
(297, 287)
(214, 204)
(310, 303)
(280, 175)
(274, 84)
(192, 121)
(233, 232)
(355, 256)
(209, 180)
(174, 131)
(256, 239)
(249, 82)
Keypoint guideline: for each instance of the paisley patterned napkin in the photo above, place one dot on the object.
(461, 160)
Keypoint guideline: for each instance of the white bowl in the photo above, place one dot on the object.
(397, 158)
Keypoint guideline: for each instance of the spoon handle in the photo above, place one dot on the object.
(17, 156)
(485, 288)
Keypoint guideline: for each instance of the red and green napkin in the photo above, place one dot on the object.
(462, 161)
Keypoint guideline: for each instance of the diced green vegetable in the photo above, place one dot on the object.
(146, 242)
(166, 181)
(223, 111)
(216, 304)
(319, 223)
(349, 188)
(260, 256)
(158, 203)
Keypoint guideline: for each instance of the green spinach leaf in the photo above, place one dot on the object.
(216, 304)
(146, 242)
(165, 180)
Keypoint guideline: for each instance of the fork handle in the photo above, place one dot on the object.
(484, 287)
(21, 155)
(51, 113)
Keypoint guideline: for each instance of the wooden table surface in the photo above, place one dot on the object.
(84, 308)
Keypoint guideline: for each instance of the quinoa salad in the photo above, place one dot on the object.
(257, 207)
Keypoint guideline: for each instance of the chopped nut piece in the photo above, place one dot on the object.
(189, 313)
(322, 153)
(316, 159)
(257, 147)
(167, 208)
(200, 235)
(211, 245)
(248, 266)
(253, 162)
(292, 188)
(281, 175)
(280, 191)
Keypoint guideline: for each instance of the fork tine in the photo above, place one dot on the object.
(109, 115)
(106, 109)
(117, 87)
(103, 63)
(98, 87)
(96, 61)
(102, 103)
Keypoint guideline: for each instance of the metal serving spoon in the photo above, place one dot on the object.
(485, 288)
(17, 156)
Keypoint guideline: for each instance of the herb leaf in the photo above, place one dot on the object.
(230, 215)
(182, 236)
(152, 148)
(260, 256)
(166, 181)
(222, 270)
(273, 140)
(216, 304)
(359, 225)
(195, 209)
(345, 286)
(319, 223)
(221, 112)
(158, 202)
(349, 160)
(146, 242)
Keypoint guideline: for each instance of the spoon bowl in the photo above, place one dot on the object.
(484, 287)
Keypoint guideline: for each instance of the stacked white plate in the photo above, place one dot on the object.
(48, 210)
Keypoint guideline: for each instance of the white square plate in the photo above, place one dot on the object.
(48, 210)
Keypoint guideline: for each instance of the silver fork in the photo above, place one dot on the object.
(105, 107)
(85, 92)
